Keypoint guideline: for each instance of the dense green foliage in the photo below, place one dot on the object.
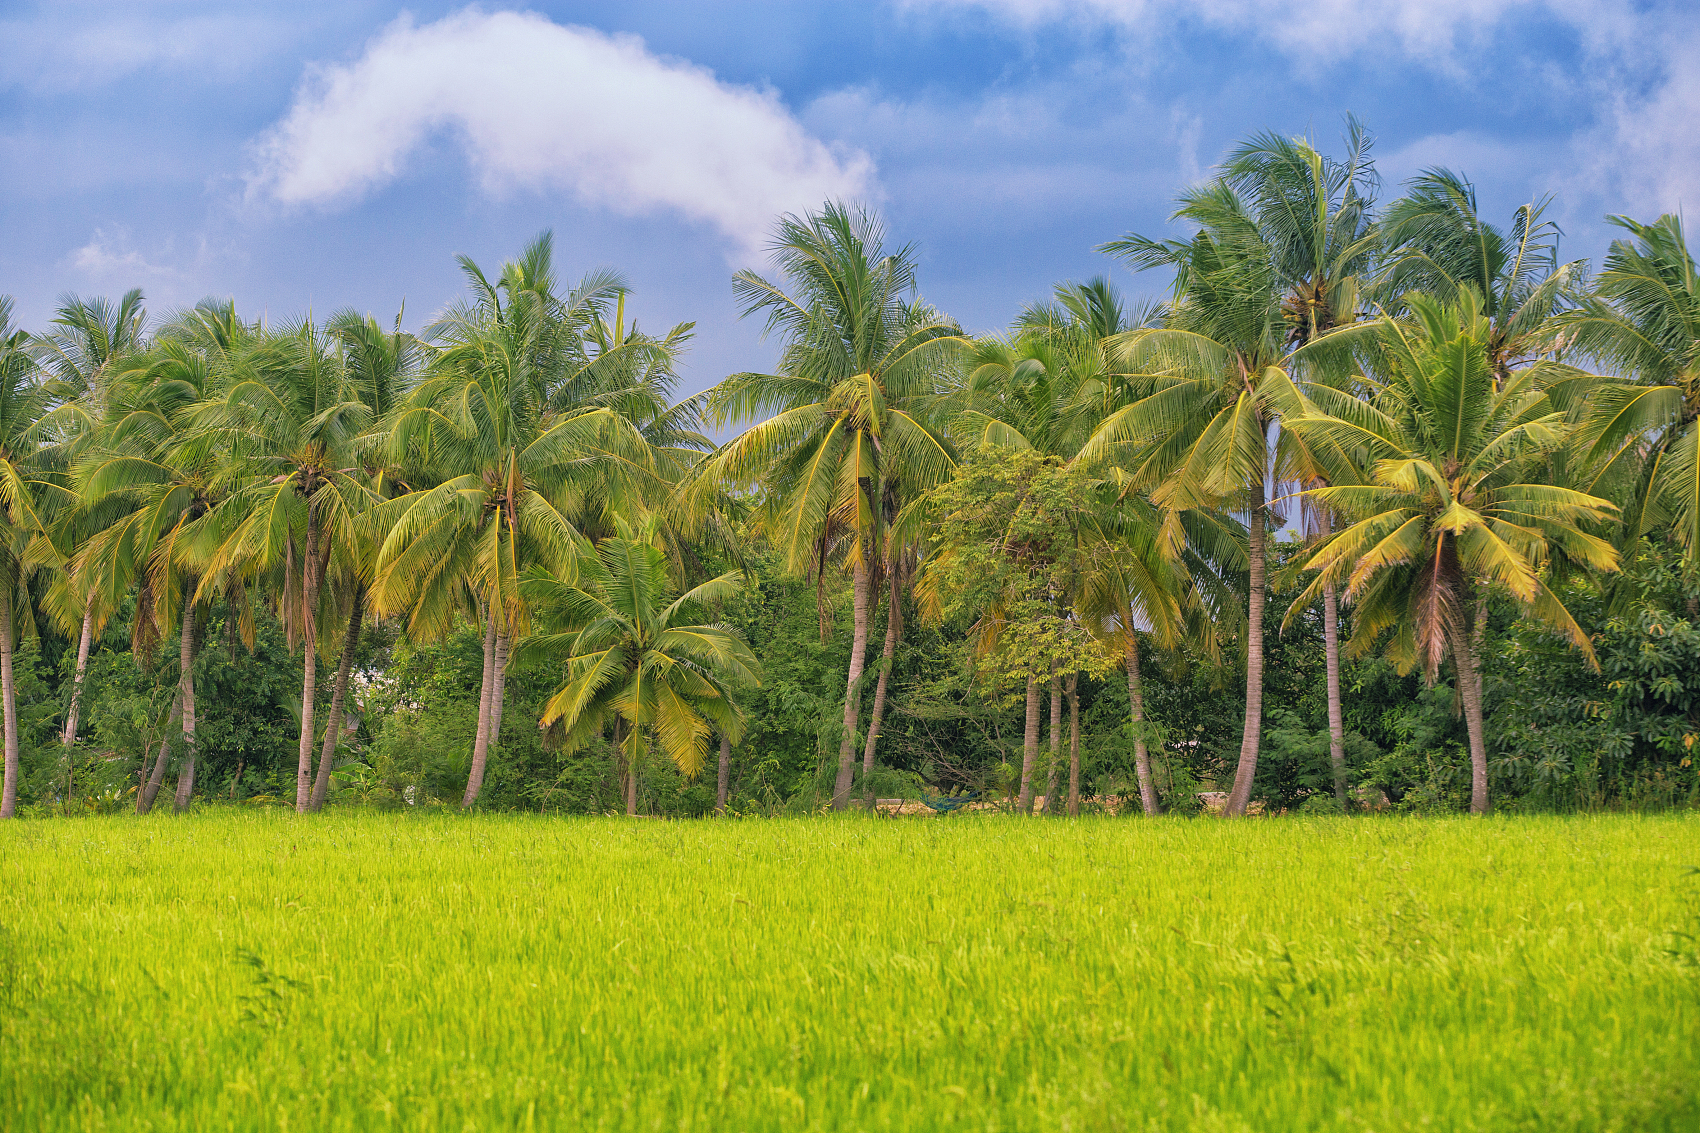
(242, 970)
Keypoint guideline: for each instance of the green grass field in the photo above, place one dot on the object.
(367, 971)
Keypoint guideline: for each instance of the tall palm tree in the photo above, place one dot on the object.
(289, 420)
(91, 338)
(1641, 438)
(159, 476)
(379, 367)
(1454, 501)
(632, 657)
(509, 459)
(1435, 242)
(22, 404)
(1314, 212)
(845, 422)
(1204, 394)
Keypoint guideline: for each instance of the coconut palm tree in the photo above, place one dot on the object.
(1454, 500)
(379, 367)
(632, 657)
(1435, 242)
(845, 416)
(1314, 212)
(289, 420)
(158, 476)
(91, 338)
(1641, 438)
(1204, 394)
(23, 401)
(509, 459)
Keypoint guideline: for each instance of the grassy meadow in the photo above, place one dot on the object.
(246, 970)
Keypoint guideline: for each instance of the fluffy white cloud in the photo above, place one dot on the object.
(538, 105)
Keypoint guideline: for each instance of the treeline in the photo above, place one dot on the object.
(1382, 502)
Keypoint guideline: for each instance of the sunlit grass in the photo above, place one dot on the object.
(365, 971)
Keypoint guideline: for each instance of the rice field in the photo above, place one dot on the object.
(251, 971)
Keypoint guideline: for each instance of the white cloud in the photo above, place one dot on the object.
(1644, 156)
(538, 105)
(109, 255)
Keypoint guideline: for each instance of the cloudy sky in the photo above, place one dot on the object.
(314, 156)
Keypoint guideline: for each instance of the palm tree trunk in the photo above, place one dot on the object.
(1030, 746)
(481, 741)
(1136, 703)
(724, 780)
(69, 739)
(8, 694)
(498, 690)
(309, 666)
(339, 694)
(1056, 743)
(1074, 745)
(1240, 797)
(149, 788)
(893, 632)
(186, 686)
(1468, 668)
(853, 689)
(1336, 722)
(635, 744)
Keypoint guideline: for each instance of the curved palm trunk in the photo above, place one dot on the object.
(1030, 746)
(1253, 733)
(853, 690)
(339, 694)
(151, 780)
(1468, 668)
(724, 780)
(634, 746)
(69, 738)
(186, 692)
(893, 632)
(1136, 704)
(498, 690)
(8, 694)
(481, 741)
(1074, 745)
(309, 667)
(1055, 769)
(1336, 722)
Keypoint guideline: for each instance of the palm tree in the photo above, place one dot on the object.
(845, 415)
(289, 420)
(92, 338)
(1453, 501)
(632, 657)
(1314, 213)
(159, 476)
(1641, 438)
(1436, 243)
(379, 367)
(22, 404)
(1204, 393)
(510, 461)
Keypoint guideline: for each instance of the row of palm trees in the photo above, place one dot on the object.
(1442, 407)
(329, 471)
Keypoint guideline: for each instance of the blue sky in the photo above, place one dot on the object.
(318, 156)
